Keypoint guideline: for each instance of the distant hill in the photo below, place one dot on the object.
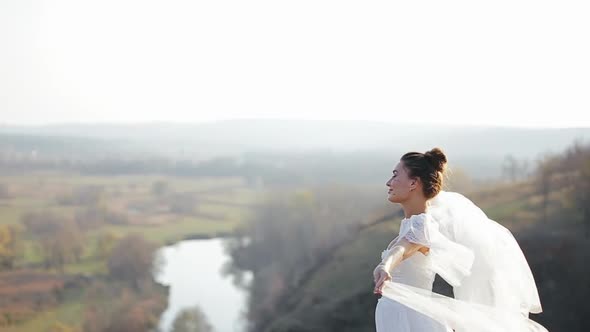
(477, 149)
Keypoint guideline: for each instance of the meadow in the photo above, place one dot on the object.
(44, 291)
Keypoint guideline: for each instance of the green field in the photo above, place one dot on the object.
(162, 209)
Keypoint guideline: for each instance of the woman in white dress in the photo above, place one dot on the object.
(445, 233)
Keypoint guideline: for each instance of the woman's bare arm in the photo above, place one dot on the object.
(400, 251)
(392, 242)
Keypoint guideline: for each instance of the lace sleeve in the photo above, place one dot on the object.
(449, 259)
(415, 230)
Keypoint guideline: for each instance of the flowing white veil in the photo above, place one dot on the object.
(492, 282)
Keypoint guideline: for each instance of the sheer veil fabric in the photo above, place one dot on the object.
(493, 284)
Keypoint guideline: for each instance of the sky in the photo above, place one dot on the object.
(512, 63)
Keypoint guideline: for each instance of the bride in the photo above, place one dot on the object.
(445, 233)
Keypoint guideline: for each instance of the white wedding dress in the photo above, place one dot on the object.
(392, 316)
(493, 285)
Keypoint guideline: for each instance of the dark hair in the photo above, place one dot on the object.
(429, 167)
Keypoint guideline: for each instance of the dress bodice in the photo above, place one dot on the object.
(415, 270)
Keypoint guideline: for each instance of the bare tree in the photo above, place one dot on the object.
(60, 239)
(513, 169)
(132, 260)
(160, 188)
(510, 167)
(9, 246)
(111, 308)
(4, 191)
(191, 320)
(84, 195)
(105, 244)
(291, 232)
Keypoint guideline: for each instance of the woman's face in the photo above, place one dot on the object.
(400, 185)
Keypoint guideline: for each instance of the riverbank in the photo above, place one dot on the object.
(79, 220)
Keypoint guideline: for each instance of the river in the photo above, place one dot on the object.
(192, 269)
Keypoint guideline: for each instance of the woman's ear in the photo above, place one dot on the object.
(414, 183)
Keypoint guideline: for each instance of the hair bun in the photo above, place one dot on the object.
(436, 157)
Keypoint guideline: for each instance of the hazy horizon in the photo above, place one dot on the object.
(190, 123)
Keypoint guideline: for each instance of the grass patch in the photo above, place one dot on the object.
(70, 312)
(10, 215)
(350, 268)
(87, 267)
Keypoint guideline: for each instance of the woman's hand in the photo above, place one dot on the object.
(380, 275)
(400, 251)
(376, 272)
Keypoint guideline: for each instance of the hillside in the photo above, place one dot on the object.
(337, 295)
